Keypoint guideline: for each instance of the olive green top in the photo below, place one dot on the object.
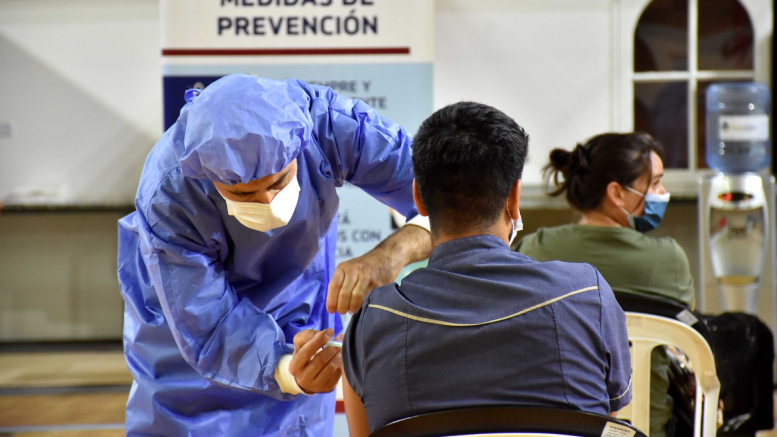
(630, 261)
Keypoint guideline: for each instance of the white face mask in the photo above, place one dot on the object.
(264, 217)
(517, 226)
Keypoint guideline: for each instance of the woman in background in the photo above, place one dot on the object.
(614, 181)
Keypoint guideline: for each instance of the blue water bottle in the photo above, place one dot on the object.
(738, 129)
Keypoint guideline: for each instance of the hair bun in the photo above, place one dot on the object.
(579, 158)
(571, 165)
(560, 159)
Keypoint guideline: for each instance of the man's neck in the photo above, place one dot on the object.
(442, 237)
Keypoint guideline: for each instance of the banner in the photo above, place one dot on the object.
(379, 51)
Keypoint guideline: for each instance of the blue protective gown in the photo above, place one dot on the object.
(210, 305)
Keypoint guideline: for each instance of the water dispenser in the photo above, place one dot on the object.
(738, 127)
(736, 205)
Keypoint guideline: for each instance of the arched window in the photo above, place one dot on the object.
(670, 52)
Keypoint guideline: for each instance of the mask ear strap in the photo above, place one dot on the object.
(629, 217)
(634, 191)
(641, 202)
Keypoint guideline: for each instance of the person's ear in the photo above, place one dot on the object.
(419, 204)
(514, 199)
(615, 194)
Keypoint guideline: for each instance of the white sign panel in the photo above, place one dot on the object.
(298, 31)
(379, 51)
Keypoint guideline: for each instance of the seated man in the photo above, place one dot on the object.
(482, 325)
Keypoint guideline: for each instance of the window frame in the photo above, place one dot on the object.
(626, 15)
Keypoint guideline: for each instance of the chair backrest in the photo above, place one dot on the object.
(664, 307)
(508, 421)
(645, 333)
(515, 434)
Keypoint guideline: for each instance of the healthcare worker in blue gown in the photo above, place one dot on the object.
(227, 265)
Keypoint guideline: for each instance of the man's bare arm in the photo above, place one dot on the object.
(355, 413)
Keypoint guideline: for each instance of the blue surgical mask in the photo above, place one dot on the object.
(655, 206)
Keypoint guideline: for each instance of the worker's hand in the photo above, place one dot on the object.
(316, 370)
(355, 278)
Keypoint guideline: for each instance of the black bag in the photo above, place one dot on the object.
(745, 369)
(744, 357)
(682, 389)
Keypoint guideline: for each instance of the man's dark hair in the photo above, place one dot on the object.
(466, 158)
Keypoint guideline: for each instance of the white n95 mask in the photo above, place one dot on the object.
(264, 217)
(517, 226)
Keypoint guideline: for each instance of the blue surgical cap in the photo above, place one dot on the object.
(242, 128)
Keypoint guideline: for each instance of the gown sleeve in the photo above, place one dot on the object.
(363, 148)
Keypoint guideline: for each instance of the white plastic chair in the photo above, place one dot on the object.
(645, 333)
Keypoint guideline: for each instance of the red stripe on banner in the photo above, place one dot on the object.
(288, 52)
(339, 407)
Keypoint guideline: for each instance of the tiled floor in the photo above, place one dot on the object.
(62, 409)
(63, 369)
(63, 394)
(79, 433)
(70, 394)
